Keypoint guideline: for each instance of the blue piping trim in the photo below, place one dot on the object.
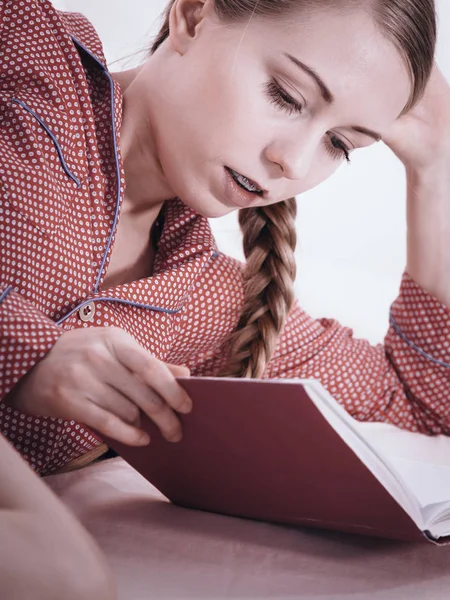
(416, 348)
(6, 293)
(118, 301)
(118, 200)
(111, 83)
(52, 137)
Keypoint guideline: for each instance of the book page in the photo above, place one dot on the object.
(423, 463)
(400, 443)
(430, 483)
(361, 438)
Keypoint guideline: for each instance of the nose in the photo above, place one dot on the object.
(294, 158)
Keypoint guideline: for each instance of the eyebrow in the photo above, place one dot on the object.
(328, 96)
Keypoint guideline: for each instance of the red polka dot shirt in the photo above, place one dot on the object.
(61, 186)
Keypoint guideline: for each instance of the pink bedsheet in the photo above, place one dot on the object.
(158, 550)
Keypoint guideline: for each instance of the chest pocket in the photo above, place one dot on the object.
(38, 177)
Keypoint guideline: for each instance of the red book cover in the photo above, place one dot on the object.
(262, 450)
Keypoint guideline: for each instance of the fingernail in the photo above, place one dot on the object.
(187, 407)
(144, 439)
(176, 438)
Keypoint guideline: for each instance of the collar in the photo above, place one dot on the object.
(186, 247)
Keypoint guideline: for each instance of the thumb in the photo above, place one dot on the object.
(178, 370)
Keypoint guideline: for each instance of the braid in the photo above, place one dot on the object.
(269, 244)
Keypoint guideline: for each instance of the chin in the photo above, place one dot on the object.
(210, 213)
(198, 194)
(208, 206)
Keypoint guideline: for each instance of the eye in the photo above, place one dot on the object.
(278, 96)
(281, 99)
(337, 149)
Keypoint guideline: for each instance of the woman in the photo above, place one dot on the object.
(111, 278)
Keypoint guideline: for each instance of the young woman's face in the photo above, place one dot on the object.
(237, 97)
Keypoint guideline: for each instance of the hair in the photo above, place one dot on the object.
(269, 237)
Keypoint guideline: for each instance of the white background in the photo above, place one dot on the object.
(351, 229)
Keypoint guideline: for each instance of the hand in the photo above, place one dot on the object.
(421, 138)
(102, 377)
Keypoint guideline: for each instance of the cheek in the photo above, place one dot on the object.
(204, 118)
(219, 120)
(232, 103)
(229, 114)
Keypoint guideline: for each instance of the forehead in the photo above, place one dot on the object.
(364, 71)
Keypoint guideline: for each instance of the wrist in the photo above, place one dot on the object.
(434, 176)
(430, 183)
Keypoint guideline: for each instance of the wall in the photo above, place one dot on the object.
(351, 229)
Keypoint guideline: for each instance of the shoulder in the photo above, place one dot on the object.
(45, 97)
(37, 24)
(83, 33)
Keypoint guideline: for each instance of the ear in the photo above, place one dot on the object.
(184, 20)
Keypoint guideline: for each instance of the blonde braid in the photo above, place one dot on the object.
(269, 243)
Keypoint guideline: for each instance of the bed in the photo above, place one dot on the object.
(158, 550)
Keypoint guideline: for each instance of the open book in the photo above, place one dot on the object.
(285, 451)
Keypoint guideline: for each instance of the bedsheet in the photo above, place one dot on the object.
(161, 551)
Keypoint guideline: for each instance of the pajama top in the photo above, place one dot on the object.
(61, 187)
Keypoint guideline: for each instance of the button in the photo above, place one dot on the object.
(87, 312)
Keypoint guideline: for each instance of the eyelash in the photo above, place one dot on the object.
(280, 98)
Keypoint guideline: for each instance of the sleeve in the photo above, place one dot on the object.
(26, 336)
(405, 381)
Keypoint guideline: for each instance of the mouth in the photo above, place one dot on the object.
(245, 183)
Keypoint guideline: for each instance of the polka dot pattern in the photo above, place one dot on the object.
(61, 184)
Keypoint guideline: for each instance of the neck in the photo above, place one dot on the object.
(146, 186)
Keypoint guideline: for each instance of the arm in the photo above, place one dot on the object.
(391, 382)
(421, 140)
(428, 220)
(26, 336)
(405, 381)
(44, 551)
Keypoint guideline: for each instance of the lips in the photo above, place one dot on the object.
(254, 183)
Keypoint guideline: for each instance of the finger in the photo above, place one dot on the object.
(149, 401)
(153, 372)
(107, 423)
(158, 376)
(178, 370)
(112, 400)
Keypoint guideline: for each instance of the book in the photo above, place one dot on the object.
(284, 451)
